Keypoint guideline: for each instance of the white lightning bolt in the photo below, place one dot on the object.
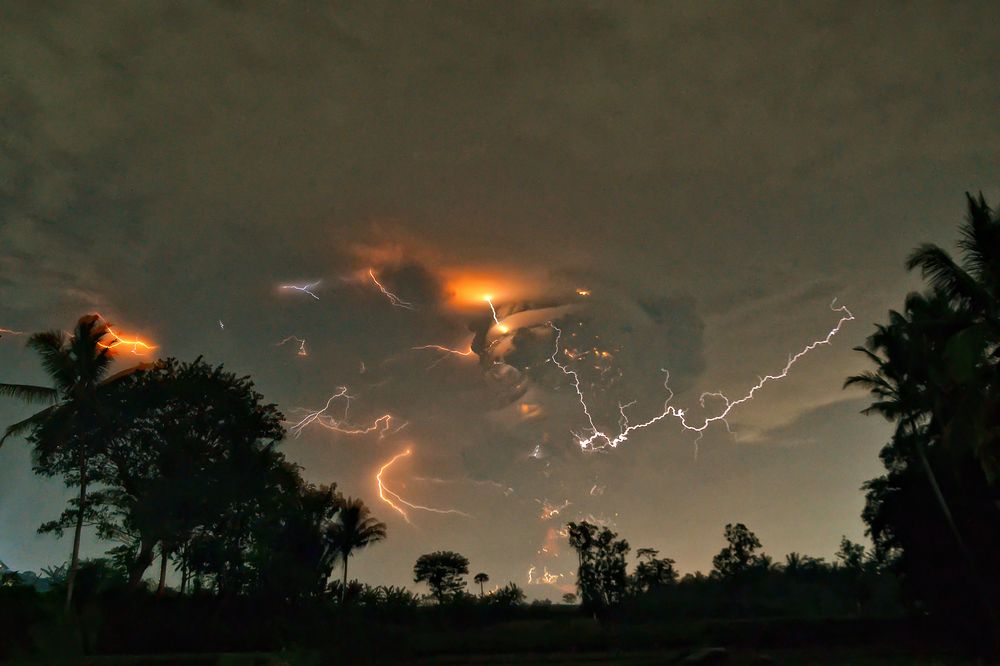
(382, 424)
(394, 300)
(305, 288)
(598, 440)
(500, 327)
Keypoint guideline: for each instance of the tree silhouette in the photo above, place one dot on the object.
(602, 577)
(652, 572)
(481, 579)
(739, 556)
(68, 434)
(442, 571)
(189, 457)
(972, 287)
(353, 528)
(935, 377)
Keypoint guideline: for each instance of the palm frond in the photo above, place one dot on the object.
(22, 427)
(58, 364)
(937, 267)
(28, 393)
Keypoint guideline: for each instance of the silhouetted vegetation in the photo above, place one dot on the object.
(442, 571)
(935, 515)
(177, 467)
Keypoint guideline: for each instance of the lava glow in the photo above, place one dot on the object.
(394, 300)
(391, 498)
(322, 417)
(598, 440)
(304, 288)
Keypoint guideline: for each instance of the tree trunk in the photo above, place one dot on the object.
(984, 600)
(481, 593)
(74, 561)
(343, 587)
(142, 562)
(163, 572)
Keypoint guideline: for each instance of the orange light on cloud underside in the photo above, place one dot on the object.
(471, 290)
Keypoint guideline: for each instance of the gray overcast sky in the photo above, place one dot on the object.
(714, 174)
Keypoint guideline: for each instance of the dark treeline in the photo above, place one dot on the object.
(176, 466)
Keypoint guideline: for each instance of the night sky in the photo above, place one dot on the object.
(713, 175)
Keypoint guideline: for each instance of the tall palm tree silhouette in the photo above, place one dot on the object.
(481, 578)
(353, 529)
(67, 434)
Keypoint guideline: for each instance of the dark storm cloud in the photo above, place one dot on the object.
(715, 175)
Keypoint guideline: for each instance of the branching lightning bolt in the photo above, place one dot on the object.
(119, 341)
(383, 424)
(302, 344)
(388, 496)
(394, 300)
(598, 440)
(305, 288)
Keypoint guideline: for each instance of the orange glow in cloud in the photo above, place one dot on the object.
(471, 290)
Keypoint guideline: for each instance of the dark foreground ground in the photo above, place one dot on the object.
(705, 656)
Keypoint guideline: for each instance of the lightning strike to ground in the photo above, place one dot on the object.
(394, 300)
(598, 440)
(388, 496)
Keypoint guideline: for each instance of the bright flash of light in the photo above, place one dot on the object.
(394, 300)
(138, 346)
(304, 288)
(598, 440)
(583, 292)
(221, 325)
(322, 417)
(550, 511)
(545, 579)
(302, 344)
(391, 498)
(500, 327)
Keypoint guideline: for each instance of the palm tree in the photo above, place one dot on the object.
(66, 434)
(972, 285)
(907, 382)
(917, 385)
(481, 578)
(353, 529)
